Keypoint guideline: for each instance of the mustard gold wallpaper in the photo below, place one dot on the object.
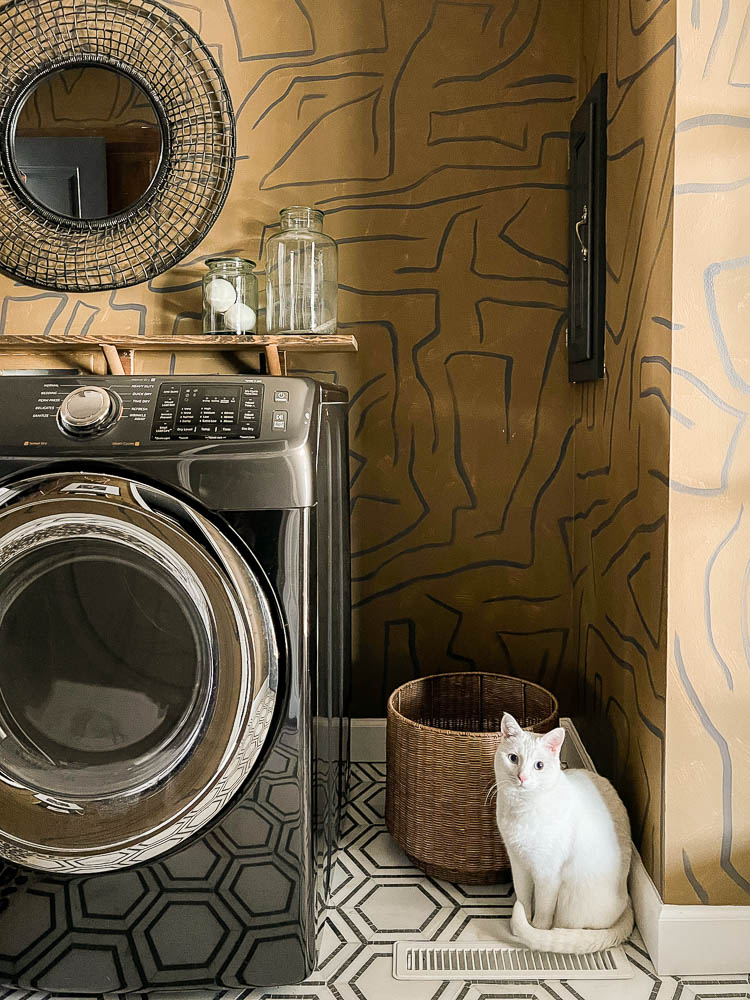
(621, 439)
(434, 136)
(661, 570)
(708, 737)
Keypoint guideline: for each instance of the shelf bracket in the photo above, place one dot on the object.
(275, 360)
(112, 357)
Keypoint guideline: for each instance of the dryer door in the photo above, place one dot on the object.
(138, 667)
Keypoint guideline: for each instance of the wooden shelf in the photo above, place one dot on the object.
(274, 347)
(196, 342)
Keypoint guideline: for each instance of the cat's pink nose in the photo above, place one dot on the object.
(522, 778)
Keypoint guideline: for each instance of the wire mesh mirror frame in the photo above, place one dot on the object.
(161, 52)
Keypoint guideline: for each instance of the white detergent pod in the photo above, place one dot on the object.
(240, 318)
(220, 294)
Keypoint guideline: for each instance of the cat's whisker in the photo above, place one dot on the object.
(492, 790)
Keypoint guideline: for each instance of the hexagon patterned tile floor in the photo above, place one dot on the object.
(378, 897)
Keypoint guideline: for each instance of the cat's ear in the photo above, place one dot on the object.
(509, 727)
(554, 739)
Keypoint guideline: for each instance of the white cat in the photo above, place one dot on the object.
(567, 835)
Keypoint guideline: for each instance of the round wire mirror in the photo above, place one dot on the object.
(117, 142)
(87, 142)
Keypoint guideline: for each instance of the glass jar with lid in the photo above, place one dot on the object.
(230, 296)
(301, 275)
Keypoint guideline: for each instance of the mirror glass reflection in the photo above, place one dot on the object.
(87, 142)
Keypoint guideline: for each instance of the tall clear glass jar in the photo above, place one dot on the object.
(230, 296)
(301, 275)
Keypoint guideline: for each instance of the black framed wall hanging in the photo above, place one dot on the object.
(587, 236)
(117, 142)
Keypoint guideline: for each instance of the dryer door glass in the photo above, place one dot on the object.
(138, 669)
(106, 665)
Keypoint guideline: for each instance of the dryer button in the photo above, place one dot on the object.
(87, 410)
(278, 422)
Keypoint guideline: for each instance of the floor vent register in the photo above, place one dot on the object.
(451, 960)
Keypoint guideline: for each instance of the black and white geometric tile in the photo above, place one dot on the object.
(378, 897)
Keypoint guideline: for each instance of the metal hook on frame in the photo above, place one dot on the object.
(583, 221)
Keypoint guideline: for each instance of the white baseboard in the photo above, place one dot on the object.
(368, 740)
(647, 907)
(692, 940)
(703, 940)
(681, 940)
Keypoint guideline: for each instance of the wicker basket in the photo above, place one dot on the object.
(442, 734)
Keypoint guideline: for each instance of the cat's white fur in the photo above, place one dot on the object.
(567, 835)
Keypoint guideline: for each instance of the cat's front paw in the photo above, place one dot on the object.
(517, 919)
(542, 923)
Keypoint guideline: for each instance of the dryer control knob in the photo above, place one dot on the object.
(87, 410)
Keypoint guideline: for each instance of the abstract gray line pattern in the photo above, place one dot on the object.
(619, 527)
(726, 765)
(455, 288)
(709, 640)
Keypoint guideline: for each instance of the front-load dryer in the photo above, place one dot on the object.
(174, 658)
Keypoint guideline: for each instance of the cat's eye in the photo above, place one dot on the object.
(539, 765)
(513, 758)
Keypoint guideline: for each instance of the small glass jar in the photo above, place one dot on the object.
(230, 296)
(301, 275)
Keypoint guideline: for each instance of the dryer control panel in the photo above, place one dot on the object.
(211, 411)
(69, 413)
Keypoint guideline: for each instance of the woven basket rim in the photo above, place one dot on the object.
(466, 673)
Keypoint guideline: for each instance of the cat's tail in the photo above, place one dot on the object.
(571, 940)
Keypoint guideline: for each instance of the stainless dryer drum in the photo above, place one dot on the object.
(138, 671)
